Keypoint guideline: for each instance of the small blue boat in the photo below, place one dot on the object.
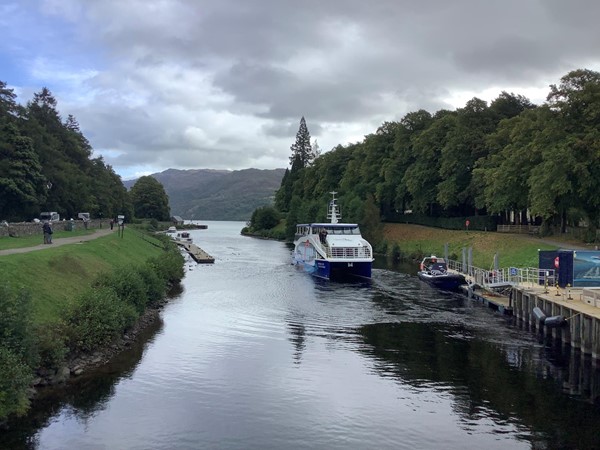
(434, 271)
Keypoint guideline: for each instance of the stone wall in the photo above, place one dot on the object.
(31, 228)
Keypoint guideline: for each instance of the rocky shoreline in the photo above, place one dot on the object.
(80, 363)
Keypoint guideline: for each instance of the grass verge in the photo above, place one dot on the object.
(416, 241)
(66, 300)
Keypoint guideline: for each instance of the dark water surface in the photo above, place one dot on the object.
(253, 354)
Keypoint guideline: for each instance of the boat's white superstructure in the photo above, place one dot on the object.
(333, 249)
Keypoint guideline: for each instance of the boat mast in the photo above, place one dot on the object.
(333, 213)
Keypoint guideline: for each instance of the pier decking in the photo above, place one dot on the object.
(579, 307)
(198, 255)
(582, 329)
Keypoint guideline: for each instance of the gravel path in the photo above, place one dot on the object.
(58, 242)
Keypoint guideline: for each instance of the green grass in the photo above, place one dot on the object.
(7, 242)
(55, 276)
(513, 250)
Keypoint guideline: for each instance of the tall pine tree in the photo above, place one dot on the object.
(302, 148)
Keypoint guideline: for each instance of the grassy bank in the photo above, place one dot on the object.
(416, 241)
(56, 276)
(69, 300)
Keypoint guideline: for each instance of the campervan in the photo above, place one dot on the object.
(50, 216)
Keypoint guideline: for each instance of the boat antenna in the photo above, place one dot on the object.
(333, 212)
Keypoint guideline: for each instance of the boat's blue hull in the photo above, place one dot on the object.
(337, 270)
(448, 281)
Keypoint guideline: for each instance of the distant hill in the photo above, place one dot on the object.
(206, 194)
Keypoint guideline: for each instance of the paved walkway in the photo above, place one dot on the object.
(58, 242)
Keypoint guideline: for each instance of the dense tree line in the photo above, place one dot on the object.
(510, 159)
(47, 164)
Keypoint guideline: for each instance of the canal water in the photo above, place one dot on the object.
(253, 354)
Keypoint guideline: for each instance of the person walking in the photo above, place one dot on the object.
(47, 229)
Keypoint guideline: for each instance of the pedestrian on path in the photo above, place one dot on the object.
(47, 229)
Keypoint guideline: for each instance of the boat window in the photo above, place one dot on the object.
(343, 230)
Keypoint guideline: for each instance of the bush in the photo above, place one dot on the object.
(482, 223)
(15, 379)
(18, 352)
(396, 253)
(169, 266)
(16, 326)
(98, 318)
(382, 248)
(51, 344)
(155, 286)
(129, 286)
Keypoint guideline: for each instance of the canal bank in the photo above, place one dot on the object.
(260, 355)
(65, 307)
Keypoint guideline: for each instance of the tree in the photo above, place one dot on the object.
(316, 150)
(302, 148)
(576, 101)
(372, 228)
(149, 199)
(8, 104)
(264, 218)
(20, 175)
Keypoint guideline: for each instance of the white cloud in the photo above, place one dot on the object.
(202, 84)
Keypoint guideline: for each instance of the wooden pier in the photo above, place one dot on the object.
(493, 300)
(578, 310)
(577, 306)
(197, 254)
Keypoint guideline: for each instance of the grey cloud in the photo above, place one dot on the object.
(288, 129)
(242, 73)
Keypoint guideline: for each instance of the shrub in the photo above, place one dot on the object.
(396, 253)
(168, 266)
(15, 379)
(129, 286)
(382, 248)
(98, 318)
(16, 326)
(18, 352)
(51, 344)
(155, 286)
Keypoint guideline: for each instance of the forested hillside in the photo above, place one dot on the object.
(46, 164)
(542, 163)
(218, 194)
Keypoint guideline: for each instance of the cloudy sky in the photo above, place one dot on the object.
(222, 84)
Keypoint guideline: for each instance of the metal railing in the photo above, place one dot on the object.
(505, 276)
(523, 229)
(348, 252)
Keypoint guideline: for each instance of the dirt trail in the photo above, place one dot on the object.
(58, 242)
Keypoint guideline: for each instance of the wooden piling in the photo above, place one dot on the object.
(582, 329)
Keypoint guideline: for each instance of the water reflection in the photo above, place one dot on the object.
(82, 397)
(255, 354)
(511, 386)
(297, 337)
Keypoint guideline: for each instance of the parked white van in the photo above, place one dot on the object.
(50, 216)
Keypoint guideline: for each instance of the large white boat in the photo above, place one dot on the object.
(332, 250)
